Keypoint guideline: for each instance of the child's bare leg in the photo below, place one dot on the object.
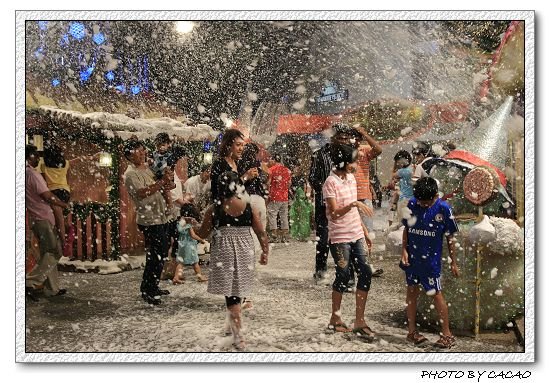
(360, 303)
(335, 318)
(178, 274)
(443, 310)
(200, 277)
(236, 325)
(59, 222)
(412, 296)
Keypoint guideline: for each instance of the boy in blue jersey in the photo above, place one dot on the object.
(430, 220)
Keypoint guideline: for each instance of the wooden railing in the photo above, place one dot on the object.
(93, 232)
(93, 238)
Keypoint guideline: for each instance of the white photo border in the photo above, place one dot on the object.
(527, 356)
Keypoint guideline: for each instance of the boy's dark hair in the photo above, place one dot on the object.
(30, 150)
(189, 210)
(130, 146)
(162, 138)
(276, 157)
(229, 136)
(53, 156)
(342, 155)
(205, 167)
(227, 184)
(425, 189)
(403, 154)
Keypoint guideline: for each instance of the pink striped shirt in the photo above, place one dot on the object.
(346, 228)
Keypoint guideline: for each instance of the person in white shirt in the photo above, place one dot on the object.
(199, 187)
(422, 153)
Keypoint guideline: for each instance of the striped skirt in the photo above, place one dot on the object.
(232, 262)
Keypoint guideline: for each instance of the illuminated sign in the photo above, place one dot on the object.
(332, 92)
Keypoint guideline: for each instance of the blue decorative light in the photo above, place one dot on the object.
(121, 88)
(56, 82)
(77, 30)
(207, 146)
(110, 75)
(135, 89)
(99, 38)
(43, 25)
(85, 74)
(39, 53)
(64, 40)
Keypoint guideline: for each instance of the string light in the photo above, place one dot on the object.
(184, 26)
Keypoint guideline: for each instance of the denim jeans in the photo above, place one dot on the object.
(156, 245)
(356, 253)
(321, 230)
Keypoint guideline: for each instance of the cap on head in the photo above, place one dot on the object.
(341, 128)
(421, 147)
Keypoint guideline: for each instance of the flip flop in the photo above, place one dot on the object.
(339, 327)
(369, 336)
(378, 273)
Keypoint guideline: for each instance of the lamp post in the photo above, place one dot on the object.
(105, 159)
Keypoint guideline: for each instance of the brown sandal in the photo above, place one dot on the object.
(445, 341)
(365, 333)
(416, 338)
(338, 327)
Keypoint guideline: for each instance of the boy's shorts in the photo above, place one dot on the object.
(427, 282)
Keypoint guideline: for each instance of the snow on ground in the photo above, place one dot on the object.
(104, 313)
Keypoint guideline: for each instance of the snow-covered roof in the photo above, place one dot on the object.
(125, 127)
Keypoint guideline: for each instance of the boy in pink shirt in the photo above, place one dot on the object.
(348, 239)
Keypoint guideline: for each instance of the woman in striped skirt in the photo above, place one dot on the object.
(232, 248)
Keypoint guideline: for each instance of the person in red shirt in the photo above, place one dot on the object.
(278, 184)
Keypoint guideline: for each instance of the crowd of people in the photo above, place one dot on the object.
(239, 204)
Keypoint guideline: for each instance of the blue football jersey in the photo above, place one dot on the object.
(426, 229)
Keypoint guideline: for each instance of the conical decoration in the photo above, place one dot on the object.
(489, 141)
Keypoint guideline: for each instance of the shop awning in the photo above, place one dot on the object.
(304, 124)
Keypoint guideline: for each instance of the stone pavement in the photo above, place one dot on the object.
(104, 313)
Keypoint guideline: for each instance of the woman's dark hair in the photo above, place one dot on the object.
(403, 154)
(189, 210)
(250, 152)
(53, 156)
(229, 136)
(228, 184)
(342, 155)
(425, 189)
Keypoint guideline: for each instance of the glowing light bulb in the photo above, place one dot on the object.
(184, 26)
